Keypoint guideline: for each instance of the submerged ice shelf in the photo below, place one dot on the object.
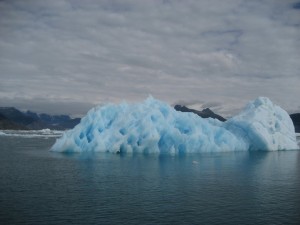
(154, 126)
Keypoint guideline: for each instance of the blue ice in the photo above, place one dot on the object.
(155, 127)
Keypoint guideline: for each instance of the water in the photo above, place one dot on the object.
(41, 187)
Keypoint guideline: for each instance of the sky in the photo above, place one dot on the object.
(66, 56)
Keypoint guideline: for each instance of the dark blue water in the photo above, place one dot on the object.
(40, 187)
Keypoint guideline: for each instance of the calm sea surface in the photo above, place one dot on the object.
(42, 187)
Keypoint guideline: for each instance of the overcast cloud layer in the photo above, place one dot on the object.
(66, 56)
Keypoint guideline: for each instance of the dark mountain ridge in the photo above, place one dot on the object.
(296, 120)
(6, 124)
(205, 113)
(53, 119)
(16, 116)
(12, 118)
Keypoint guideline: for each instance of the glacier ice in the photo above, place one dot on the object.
(44, 133)
(154, 126)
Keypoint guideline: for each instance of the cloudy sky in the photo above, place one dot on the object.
(65, 56)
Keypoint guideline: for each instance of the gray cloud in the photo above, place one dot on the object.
(88, 52)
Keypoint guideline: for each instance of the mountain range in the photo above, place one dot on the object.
(14, 119)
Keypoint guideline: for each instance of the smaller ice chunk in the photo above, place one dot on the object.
(264, 125)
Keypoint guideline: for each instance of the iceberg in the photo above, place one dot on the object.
(155, 127)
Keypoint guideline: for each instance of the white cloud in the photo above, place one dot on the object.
(227, 51)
